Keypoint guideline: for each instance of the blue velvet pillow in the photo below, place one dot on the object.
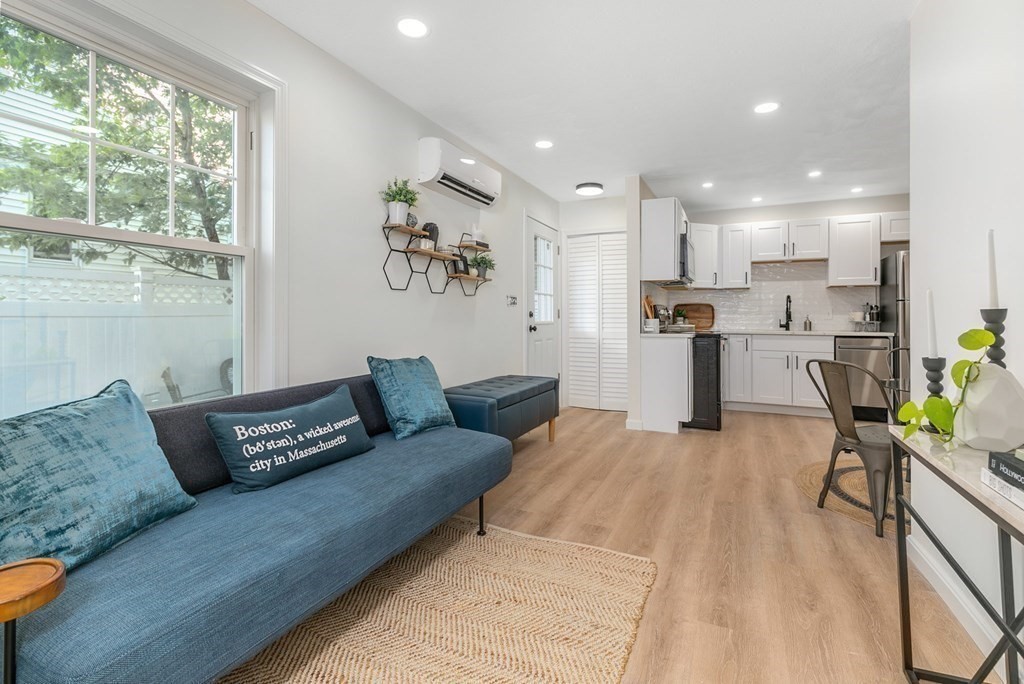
(411, 393)
(262, 449)
(80, 478)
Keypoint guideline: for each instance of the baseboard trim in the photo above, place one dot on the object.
(778, 410)
(956, 597)
(634, 424)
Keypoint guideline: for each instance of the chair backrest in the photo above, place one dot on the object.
(837, 396)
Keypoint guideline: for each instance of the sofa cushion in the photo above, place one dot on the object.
(80, 478)
(506, 389)
(201, 593)
(412, 395)
(192, 451)
(263, 449)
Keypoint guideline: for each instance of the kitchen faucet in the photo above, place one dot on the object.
(789, 313)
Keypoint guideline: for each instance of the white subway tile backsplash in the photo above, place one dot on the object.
(764, 304)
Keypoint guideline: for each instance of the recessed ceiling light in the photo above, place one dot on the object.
(589, 189)
(856, 189)
(412, 28)
(756, 199)
(766, 107)
(709, 184)
(814, 174)
(543, 144)
(467, 160)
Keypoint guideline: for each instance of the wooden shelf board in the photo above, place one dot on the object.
(406, 229)
(469, 245)
(432, 254)
(463, 276)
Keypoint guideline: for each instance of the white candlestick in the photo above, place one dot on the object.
(993, 288)
(933, 347)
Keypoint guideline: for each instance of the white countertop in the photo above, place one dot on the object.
(686, 336)
(812, 333)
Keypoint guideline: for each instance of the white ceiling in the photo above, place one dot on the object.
(664, 88)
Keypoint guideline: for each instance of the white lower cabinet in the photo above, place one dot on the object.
(736, 368)
(666, 386)
(778, 369)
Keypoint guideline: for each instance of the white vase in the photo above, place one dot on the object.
(398, 212)
(473, 272)
(990, 419)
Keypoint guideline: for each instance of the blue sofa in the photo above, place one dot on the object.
(197, 595)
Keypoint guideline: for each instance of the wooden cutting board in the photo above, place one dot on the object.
(701, 315)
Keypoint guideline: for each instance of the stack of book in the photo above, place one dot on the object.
(1005, 474)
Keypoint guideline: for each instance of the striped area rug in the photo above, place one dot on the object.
(456, 607)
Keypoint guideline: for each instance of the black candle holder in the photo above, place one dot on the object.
(994, 319)
(933, 367)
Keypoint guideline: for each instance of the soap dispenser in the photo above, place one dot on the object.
(807, 324)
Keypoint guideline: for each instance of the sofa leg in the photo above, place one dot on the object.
(551, 430)
(481, 531)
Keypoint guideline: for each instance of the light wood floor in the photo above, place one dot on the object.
(755, 583)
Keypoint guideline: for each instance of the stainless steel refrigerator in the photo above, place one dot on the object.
(894, 299)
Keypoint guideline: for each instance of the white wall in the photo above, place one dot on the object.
(803, 210)
(967, 171)
(346, 138)
(594, 215)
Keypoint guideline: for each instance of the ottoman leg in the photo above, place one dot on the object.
(551, 430)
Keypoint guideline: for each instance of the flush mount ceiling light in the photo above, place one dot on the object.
(589, 189)
(543, 144)
(756, 199)
(412, 28)
(467, 160)
(814, 174)
(856, 189)
(709, 184)
(766, 107)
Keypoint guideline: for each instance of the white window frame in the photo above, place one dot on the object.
(260, 191)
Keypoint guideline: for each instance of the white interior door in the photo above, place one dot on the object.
(542, 276)
(583, 322)
(614, 382)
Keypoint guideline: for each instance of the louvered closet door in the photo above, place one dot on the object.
(612, 354)
(596, 316)
(583, 316)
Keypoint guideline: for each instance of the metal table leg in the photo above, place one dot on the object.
(1006, 585)
(9, 643)
(902, 565)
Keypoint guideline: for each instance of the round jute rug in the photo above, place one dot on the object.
(848, 494)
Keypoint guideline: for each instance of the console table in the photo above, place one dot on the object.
(960, 468)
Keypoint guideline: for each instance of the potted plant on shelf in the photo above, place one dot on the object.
(400, 197)
(482, 263)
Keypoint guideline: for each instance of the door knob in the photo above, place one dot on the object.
(533, 328)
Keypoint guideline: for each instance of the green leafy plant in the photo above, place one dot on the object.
(399, 191)
(940, 411)
(482, 261)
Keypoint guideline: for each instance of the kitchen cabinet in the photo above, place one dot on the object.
(736, 368)
(778, 369)
(797, 240)
(896, 226)
(666, 390)
(855, 250)
(735, 255)
(662, 221)
(769, 241)
(706, 256)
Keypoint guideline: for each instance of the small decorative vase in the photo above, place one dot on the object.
(473, 272)
(990, 419)
(411, 220)
(482, 270)
(398, 212)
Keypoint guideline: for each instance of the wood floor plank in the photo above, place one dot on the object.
(755, 583)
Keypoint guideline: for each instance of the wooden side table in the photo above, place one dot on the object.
(24, 587)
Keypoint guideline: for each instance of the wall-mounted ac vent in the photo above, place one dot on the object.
(457, 174)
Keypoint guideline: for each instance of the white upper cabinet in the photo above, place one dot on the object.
(797, 240)
(735, 256)
(896, 226)
(769, 241)
(808, 239)
(662, 221)
(707, 260)
(855, 247)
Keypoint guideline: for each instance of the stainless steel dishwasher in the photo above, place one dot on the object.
(870, 353)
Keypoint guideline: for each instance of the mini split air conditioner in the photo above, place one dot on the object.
(457, 174)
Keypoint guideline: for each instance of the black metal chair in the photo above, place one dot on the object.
(870, 442)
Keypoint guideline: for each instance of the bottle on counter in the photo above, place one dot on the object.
(808, 325)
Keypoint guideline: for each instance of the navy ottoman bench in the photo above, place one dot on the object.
(508, 405)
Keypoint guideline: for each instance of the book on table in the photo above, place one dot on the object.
(1003, 488)
(1007, 467)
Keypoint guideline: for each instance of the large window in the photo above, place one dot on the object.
(122, 241)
